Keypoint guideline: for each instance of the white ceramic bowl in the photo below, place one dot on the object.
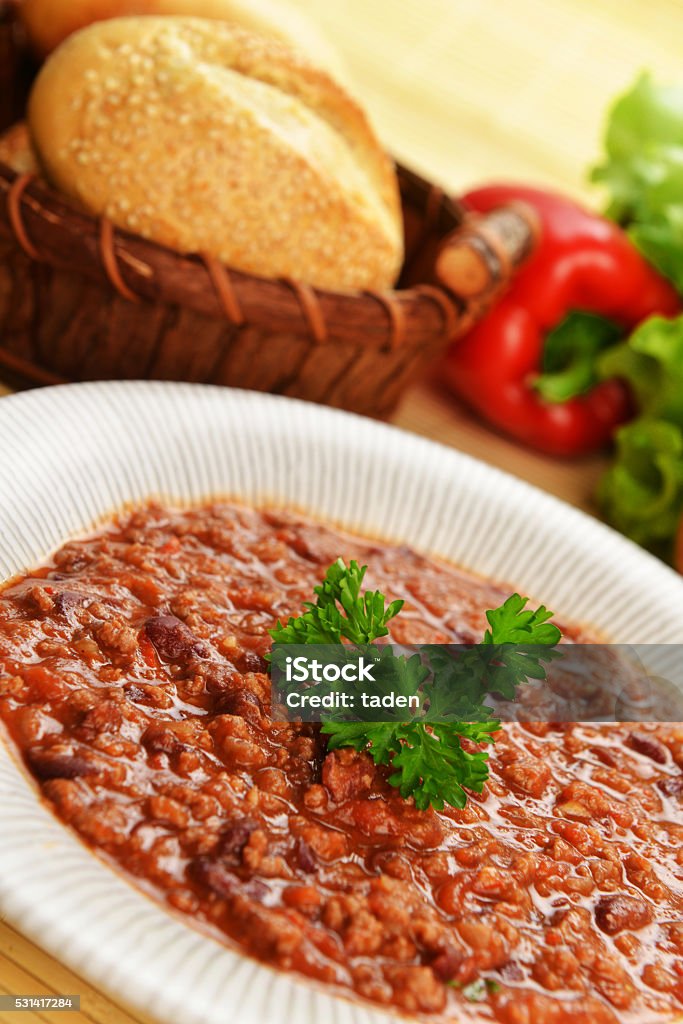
(71, 455)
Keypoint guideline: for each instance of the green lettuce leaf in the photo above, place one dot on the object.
(643, 171)
(642, 492)
(651, 360)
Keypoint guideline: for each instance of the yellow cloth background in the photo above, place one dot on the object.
(470, 90)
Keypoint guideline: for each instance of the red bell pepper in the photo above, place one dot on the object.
(529, 366)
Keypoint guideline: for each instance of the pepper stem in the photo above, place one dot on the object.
(571, 353)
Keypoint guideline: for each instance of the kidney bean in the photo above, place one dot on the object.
(172, 639)
(616, 913)
(305, 857)
(648, 746)
(672, 785)
(67, 601)
(240, 702)
(446, 964)
(234, 839)
(54, 764)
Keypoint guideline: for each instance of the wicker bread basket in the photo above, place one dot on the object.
(80, 300)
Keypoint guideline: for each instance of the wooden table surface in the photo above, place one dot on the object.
(464, 90)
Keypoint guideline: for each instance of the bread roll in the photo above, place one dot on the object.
(49, 22)
(204, 137)
(16, 150)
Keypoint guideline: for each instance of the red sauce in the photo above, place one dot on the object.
(132, 680)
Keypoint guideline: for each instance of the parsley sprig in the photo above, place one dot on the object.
(427, 759)
(340, 612)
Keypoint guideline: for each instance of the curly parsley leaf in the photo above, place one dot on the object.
(514, 623)
(516, 647)
(435, 769)
(340, 612)
(383, 738)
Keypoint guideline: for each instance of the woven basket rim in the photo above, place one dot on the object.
(45, 223)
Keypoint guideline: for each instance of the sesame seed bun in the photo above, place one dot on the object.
(205, 137)
(49, 22)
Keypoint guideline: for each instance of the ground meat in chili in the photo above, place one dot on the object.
(133, 681)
